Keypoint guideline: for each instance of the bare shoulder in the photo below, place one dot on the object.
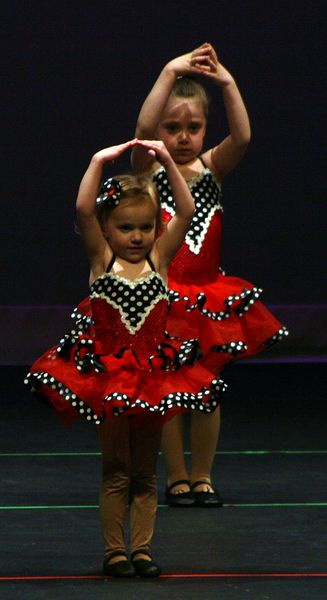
(208, 162)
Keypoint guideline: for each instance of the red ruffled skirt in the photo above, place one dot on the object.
(227, 318)
(80, 381)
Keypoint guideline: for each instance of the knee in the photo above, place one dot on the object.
(143, 483)
(117, 473)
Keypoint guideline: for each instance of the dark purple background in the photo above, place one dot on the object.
(75, 77)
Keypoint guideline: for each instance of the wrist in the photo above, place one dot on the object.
(168, 163)
(223, 77)
(170, 71)
(226, 82)
(230, 89)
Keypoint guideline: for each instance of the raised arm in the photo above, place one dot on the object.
(154, 105)
(97, 248)
(173, 236)
(202, 61)
(228, 153)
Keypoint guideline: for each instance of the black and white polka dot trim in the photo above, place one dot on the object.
(36, 380)
(244, 301)
(189, 352)
(248, 298)
(277, 337)
(171, 359)
(133, 299)
(232, 348)
(207, 199)
(82, 324)
(86, 361)
(205, 400)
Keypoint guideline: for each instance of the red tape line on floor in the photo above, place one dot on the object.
(168, 576)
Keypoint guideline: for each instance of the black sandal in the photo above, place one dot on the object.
(144, 567)
(206, 499)
(181, 499)
(121, 568)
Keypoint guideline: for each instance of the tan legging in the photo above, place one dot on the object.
(129, 447)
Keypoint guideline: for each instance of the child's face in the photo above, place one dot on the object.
(182, 128)
(131, 229)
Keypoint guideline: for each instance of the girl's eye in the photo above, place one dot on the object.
(172, 128)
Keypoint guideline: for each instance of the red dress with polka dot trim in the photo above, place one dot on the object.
(118, 359)
(234, 323)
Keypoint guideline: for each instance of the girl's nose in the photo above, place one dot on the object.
(183, 136)
(137, 236)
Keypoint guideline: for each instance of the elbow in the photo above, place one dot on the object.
(242, 136)
(187, 215)
(243, 143)
(142, 131)
(79, 214)
(246, 137)
(79, 207)
(83, 211)
(190, 214)
(240, 141)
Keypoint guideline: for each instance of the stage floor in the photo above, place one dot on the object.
(268, 541)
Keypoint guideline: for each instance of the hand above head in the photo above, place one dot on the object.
(206, 61)
(111, 153)
(182, 65)
(201, 61)
(90, 183)
(204, 58)
(157, 150)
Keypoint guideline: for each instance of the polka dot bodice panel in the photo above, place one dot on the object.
(129, 313)
(200, 252)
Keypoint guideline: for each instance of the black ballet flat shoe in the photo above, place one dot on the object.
(121, 568)
(181, 499)
(144, 567)
(206, 499)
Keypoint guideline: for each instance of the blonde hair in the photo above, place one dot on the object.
(133, 186)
